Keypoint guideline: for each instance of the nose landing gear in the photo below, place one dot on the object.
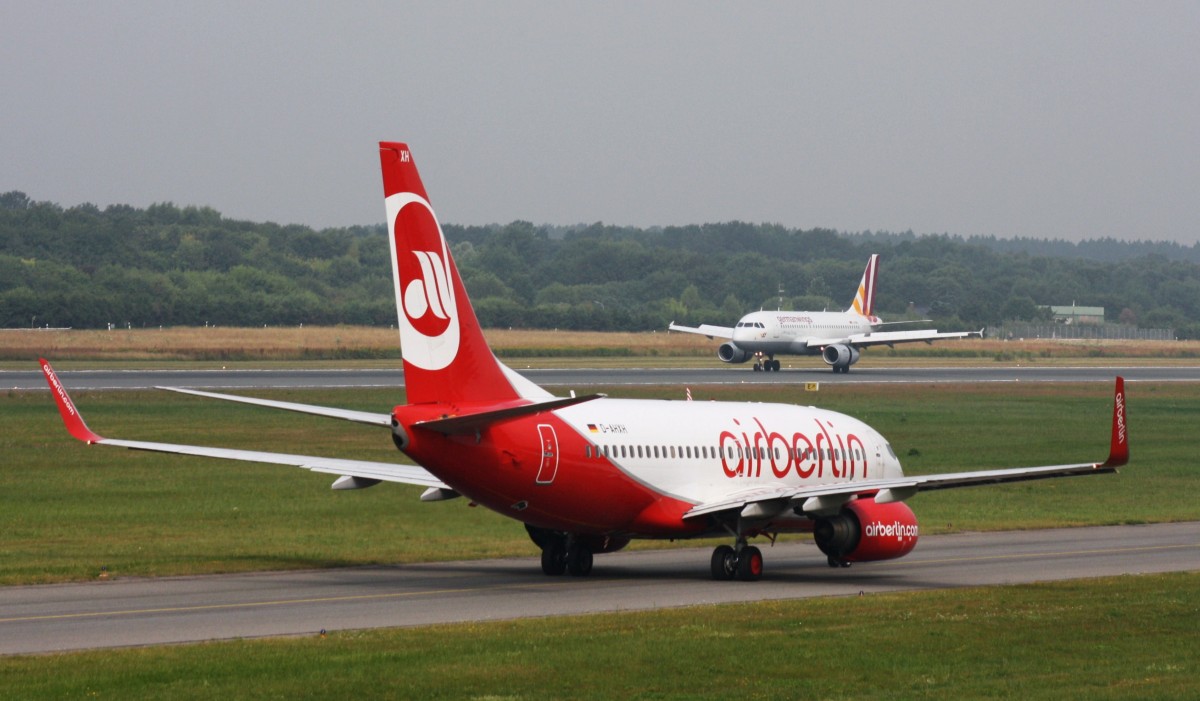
(768, 365)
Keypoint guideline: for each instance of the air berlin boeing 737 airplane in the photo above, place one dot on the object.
(587, 474)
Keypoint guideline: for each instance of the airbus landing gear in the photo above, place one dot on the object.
(841, 368)
(745, 562)
(836, 562)
(565, 554)
(768, 365)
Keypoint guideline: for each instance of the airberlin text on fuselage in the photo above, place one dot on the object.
(827, 449)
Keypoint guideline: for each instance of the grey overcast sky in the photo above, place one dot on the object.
(1065, 120)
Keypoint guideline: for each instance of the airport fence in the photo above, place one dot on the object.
(1079, 331)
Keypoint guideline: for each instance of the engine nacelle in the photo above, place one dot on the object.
(865, 531)
(730, 353)
(839, 355)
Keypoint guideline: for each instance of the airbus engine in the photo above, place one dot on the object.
(730, 353)
(840, 356)
(865, 531)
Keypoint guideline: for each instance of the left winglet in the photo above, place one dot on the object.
(1118, 452)
(70, 415)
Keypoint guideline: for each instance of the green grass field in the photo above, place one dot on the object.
(74, 511)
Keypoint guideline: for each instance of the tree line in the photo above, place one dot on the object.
(167, 265)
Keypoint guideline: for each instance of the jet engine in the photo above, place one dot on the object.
(730, 353)
(866, 531)
(840, 356)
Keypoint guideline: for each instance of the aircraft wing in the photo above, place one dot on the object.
(704, 330)
(362, 417)
(887, 338)
(368, 470)
(767, 502)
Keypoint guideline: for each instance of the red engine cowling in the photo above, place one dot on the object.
(866, 531)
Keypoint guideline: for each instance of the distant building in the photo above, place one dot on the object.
(1074, 314)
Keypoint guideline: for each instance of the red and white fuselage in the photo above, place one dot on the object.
(634, 467)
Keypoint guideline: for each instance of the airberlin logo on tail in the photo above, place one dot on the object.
(428, 311)
(426, 298)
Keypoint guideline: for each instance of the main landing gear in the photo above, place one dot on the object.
(561, 555)
(745, 562)
(768, 365)
(561, 552)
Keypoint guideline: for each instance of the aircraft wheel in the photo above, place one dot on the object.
(750, 564)
(757, 367)
(775, 365)
(554, 558)
(724, 563)
(579, 560)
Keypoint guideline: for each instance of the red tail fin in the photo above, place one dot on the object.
(446, 358)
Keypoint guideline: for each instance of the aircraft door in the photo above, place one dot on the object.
(549, 463)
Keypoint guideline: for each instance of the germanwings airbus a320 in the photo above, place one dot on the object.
(835, 336)
(586, 474)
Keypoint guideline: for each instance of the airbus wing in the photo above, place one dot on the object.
(360, 473)
(888, 338)
(768, 502)
(704, 330)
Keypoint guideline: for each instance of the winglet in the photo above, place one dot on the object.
(70, 415)
(1118, 452)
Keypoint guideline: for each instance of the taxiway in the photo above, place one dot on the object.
(133, 612)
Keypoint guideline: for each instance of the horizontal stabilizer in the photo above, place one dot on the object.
(470, 423)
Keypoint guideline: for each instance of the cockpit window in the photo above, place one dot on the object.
(891, 452)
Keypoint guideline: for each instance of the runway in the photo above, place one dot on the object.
(133, 612)
(585, 377)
